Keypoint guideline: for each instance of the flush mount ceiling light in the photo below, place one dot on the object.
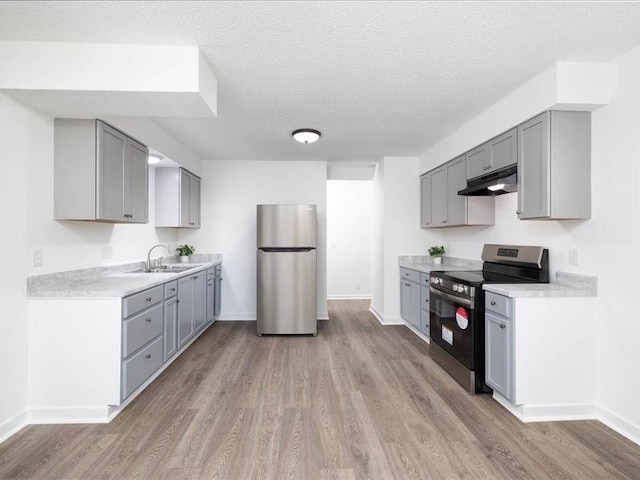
(154, 158)
(305, 135)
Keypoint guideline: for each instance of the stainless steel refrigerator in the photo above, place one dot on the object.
(287, 270)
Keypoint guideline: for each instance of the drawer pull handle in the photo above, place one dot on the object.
(502, 326)
(209, 284)
(148, 355)
(173, 289)
(408, 284)
(493, 303)
(148, 299)
(196, 277)
(148, 320)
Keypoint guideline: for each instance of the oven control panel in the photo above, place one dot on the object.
(446, 285)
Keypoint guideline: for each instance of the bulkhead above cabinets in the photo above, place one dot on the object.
(549, 156)
(177, 198)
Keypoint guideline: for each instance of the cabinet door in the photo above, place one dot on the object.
(439, 198)
(533, 168)
(111, 148)
(199, 300)
(503, 150)
(194, 202)
(185, 310)
(478, 161)
(405, 299)
(498, 356)
(217, 292)
(185, 198)
(425, 200)
(170, 327)
(136, 183)
(456, 204)
(210, 298)
(414, 314)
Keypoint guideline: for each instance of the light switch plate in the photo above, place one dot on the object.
(573, 256)
(37, 257)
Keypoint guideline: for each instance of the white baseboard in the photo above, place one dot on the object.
(549, 413)
(383, 320)
(54, 415)
(350, 296)
(251, 317)
(14, 425)
(624, 428)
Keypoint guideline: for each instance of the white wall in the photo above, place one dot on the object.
(230, 192)
(377, 242)
(19, 130)
(349, 209)
(607, 243)
(26, 196)
(396, 230)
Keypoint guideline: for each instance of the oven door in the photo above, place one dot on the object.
(452, 325)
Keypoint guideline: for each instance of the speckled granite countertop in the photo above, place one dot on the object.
(112, 281)
(424, 263)
(566, 285)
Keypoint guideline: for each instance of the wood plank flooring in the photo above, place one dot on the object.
(357, 401)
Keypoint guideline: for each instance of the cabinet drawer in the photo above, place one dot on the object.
(140, 367)
(135, 303)
(411, 275)
(217, 270)
(424, 279)
(140, 329)
(210, 273)
(170, 289)
(498, 304)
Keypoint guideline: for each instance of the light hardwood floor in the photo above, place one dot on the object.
(358, 401)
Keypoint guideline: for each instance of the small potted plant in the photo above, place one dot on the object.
(184, 251)
(437, 252)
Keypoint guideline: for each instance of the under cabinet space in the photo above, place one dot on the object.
(177, 198)
(100, 173)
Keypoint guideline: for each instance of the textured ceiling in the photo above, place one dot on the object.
(377, 78)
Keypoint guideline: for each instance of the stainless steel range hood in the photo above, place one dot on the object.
(492, 184)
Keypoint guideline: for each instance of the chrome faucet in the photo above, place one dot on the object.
(148, 265)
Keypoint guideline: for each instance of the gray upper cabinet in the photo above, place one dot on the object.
(425, 201)
(100, 173)
(496, 154)
(177, 198)
(439, 192)
(554, 166)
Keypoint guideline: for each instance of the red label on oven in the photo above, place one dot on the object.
(462, 317)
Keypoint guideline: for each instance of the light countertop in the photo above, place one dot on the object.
(109, 282)
(566, 285)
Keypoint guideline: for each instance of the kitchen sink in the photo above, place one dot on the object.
(165, 269)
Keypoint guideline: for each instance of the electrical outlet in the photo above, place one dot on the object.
(573, 256)
(37, 257)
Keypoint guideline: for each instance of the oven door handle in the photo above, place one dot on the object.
(464, 301)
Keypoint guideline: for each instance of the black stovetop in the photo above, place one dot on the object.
(477, 278)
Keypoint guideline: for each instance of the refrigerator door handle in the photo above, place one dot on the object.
(286, 250)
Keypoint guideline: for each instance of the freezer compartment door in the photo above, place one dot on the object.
(287, 298)
(286, 225)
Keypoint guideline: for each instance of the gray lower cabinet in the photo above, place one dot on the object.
(100, 173)
(170, 319)
(185, 310)
(410, 296)
(192, 306)
(142, 338)
(210, 294)
(554, 166)
(199, 300)
(499, 344)
(425, 311)
(441, 206)
(217, 290)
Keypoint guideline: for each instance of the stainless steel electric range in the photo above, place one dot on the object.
(457, 307)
